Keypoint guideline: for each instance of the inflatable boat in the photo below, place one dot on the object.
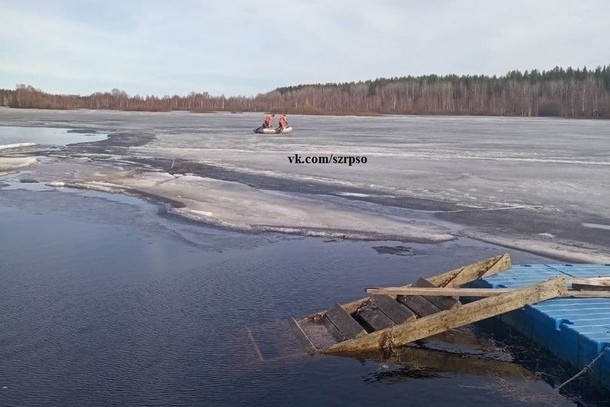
(262, 130)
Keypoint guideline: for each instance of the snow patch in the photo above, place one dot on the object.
(596, 226)
(15, 145)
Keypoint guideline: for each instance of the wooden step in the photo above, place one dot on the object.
(397, 312)
(442, 303)
(300, 333)
(374, 317)
(322, 334)
(418, 304)
(348, 327)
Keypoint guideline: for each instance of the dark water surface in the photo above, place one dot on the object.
(106, 303)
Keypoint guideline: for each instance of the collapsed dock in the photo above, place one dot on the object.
(393, 317)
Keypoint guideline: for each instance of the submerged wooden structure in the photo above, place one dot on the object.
(396, 316)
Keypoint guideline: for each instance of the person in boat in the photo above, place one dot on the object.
(283, 122)
(268, 121)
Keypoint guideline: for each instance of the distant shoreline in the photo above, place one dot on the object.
(330, 114)
(567, 93)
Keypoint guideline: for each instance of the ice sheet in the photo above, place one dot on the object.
(219, 171)
(239, 206)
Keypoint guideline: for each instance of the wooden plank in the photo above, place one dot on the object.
(375, 318)
(441, 302)
(397, 312)
(318, 332)
(332, 330)
(309, 346)
(425, 327)
(475, 271)
(418, 304)
(347, 325)
(471, 292)
(259, 354)
(439, 291)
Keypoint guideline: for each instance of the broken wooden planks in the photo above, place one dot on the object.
(395, 316)
(442, 321)
(370, 315)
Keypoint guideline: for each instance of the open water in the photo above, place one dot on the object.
(105, 302)
(50, 136)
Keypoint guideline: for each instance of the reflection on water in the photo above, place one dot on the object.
(413, 361)
(106, 303)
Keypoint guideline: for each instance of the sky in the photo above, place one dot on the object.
(247, 47)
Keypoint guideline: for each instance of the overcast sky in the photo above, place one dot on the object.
(246, 47)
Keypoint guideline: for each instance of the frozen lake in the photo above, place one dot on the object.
(530, 183)
(112, 300)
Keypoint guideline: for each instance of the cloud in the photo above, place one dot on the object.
(246, 47)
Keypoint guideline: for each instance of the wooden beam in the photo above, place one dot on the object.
(475, 271)
(443, 321)
(440, 292)
(473, 292)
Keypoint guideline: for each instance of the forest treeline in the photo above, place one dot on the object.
(573, 93)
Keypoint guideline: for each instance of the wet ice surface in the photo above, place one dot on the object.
(534, 184)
